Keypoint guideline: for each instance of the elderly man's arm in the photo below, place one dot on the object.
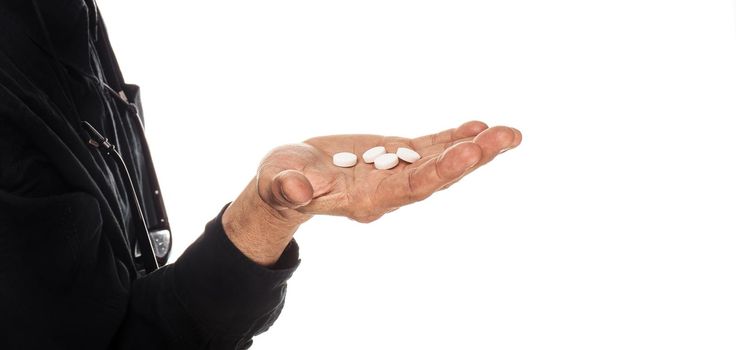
(295, 182)
(229, 285)
(212, 297)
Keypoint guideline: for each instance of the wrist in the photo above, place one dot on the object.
(257, 229)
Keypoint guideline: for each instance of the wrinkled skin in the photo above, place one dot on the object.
(302, 176)
(295, 182)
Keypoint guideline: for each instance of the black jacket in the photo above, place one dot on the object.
(69, 207)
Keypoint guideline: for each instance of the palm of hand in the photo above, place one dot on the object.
(302, 177)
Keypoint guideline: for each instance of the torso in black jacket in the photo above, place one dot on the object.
(67, 220)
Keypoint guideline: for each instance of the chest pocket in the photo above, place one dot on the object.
(46, 240)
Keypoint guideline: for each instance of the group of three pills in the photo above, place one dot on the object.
(378, 156)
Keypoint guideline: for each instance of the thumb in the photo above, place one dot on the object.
(289, 189)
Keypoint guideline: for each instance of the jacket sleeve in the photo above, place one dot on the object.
(212, 297)
(62, 286)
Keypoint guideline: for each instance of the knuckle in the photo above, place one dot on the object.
(364, 219)
(365, 216)
(433, 139)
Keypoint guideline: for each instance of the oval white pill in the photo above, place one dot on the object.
(407, 155)
(386, 161)
(344, 159)
(370, 155)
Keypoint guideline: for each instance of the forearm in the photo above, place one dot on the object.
(257, 229)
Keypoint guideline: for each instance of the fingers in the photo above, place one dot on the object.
(497, 140)
(289, 189)
(468, 129)
(454, 163)
(493, 142)
(419, 183)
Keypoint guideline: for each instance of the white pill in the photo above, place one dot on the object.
(370, 155)
(386, 161)
(407, 155)
(344, 159)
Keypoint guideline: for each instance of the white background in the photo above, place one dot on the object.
(611, 227)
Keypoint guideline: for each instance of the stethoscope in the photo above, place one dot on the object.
(152, 243)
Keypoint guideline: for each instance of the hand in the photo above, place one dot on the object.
(297, 181)
(301, 178)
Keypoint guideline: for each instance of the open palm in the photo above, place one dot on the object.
(301, 177)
